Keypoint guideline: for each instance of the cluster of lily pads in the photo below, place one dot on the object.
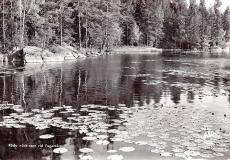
(187, 132)
(182, 132)
(188, 74)
(196, 87)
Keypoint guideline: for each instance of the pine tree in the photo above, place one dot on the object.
(192, 25)
(217, 28)
(169, 25)
(127, 10)
(226, 24)
(154, 21)
(180, 16)
(140, 14)
(135, 34)
(204, 25)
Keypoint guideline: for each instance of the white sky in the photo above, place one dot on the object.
(225, 3)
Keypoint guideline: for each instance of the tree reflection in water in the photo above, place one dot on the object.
(134, 80)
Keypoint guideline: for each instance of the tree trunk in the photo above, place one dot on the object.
(86, 30)
(44, 43)
(79, 25)
(106, 26)
(126, 34)
(12, 25)
(105, 39)
(61, 9)
(43, 39)
(3, 23)
(21, 22)
(23, 25)
(147, 39)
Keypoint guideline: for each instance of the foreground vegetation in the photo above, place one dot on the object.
(178, 131)
(103, 24)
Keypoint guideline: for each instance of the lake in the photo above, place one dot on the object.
(118, 106)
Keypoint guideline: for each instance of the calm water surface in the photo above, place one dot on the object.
(149, 102)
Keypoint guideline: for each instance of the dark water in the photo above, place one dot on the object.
(136, 81)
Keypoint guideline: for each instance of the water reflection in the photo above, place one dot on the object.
(139, 80)
(108, 80)
(111, 80)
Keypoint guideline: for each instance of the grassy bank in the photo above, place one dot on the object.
(135, 49)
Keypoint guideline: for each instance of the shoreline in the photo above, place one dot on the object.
(32, 54)
(136, 49)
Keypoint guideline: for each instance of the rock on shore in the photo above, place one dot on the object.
(32, 54)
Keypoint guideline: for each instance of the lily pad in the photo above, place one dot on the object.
(127, 149)
(102, 142)
(86, 150)
(157, 150)
(192, 153)
(89, 138)
(85, 157)
(112, 151)
(193, 148)
(116, 139)
(102, 136)
(182, 155)
(188, 144)
(166, 154)
(220, 149)
(141, 143)
(207, 155)
(115, 157)
(60, 150)
(218, 154)
(178, 150)
(46, 136)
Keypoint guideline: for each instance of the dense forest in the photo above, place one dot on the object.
(106, 23)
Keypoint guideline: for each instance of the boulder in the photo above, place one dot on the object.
(67, 51)
(33, 59)
(1, 57)
(32, 51)
(48, 56)
(32, 54)
(69, 57)
(47, 53)
(53, 58)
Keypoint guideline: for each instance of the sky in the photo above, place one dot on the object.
(225, 3)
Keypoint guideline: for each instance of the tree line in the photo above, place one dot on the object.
(106, 23)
